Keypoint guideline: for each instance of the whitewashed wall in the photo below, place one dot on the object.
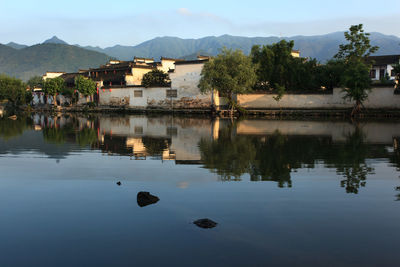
(378, 98)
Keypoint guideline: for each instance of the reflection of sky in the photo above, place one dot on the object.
(60, 205)
(72, 213)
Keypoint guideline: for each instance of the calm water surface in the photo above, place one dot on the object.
(289, 193)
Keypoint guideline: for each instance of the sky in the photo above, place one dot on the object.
(106, 23)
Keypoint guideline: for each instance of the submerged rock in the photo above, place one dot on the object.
(205, 223)
(145, 199)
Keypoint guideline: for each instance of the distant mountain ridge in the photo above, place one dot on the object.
(37, 59)
(56, 55)
(321, 47)
(55, 40)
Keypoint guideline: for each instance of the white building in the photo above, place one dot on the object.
(382, 66)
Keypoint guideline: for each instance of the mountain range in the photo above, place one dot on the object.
(56, 55)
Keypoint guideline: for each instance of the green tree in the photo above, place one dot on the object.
(329, 75)
(85, 86)
(355, 79)
(13, 90)
(53, 87)
(230, 73)
(276, 68)
(35, 82)
(155, 78)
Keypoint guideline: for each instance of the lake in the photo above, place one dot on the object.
(282, 192)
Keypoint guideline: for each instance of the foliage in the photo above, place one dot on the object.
(35, 82)
(155, 78)
(12, 89)
(358, 46)
(356, 81)
(277, 68)
(229, 73)
(280, 90)
(329, 75)
(53, 86)
(85, 86)
(356, 78)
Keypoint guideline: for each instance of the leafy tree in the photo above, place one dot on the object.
(330, 74)
(53, 87)
(358, 47)
(356, 78)
(230, 73)
(276, 68)
(85, 86)
(13, 90)
(35, 82)
(155, 78)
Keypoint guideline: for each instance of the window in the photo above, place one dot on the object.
(138, 130)
(172, 131)
(372, 74)
(172, 93)
(138, 93)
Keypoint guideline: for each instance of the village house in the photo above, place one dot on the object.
(121, 84)
(52, 75)
(382, 66)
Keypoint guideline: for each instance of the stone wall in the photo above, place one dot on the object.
(154, 97)
(379, 98)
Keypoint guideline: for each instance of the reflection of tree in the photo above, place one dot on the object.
(350, 161)
(155, 146)
(398, 194)
(273, 157)
(228, 156)
(86, 136)
(12, 128)
(70, 132)
(55, 135)
(278, 155)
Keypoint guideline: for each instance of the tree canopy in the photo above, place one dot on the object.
(85, 86)
(229, 73)
(35, 82)
(12, 89)
(355, 79)
(155, 78)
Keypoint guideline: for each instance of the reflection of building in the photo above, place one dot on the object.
(166, 138)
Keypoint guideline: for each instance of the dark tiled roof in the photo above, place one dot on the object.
(69, 78)
(384, 60)
(174, 59)
(188, 62)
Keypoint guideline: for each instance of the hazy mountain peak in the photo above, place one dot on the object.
(54, 40)
(16, 46)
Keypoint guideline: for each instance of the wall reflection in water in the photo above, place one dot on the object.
(264, 150)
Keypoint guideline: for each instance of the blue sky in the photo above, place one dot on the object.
(106, 23)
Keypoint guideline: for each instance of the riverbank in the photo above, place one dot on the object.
(269, 113)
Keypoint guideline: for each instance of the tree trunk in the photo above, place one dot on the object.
(55, 100)
(357, 108)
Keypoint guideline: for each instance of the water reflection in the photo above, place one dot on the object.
(259, 149)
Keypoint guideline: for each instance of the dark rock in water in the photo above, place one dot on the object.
(205, 223)
(119, 183)
(145, 199)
